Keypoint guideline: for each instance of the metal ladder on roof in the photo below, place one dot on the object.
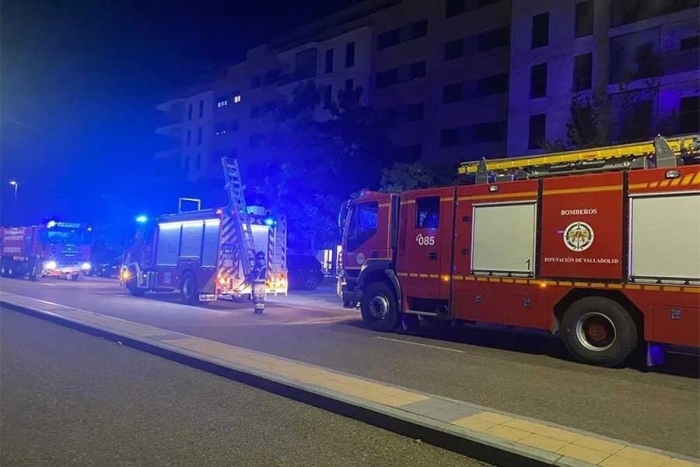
(239, 211)
(661, 152)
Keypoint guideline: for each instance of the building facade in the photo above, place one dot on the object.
(437, 72)
(456, 80)
(642, 55)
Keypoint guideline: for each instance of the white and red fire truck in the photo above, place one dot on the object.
(601, 247)
(207, 254)
(60, 249)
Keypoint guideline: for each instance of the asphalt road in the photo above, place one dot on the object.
(69, 398)
(525, 374)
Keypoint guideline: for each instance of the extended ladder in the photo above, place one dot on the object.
(661, 152)
(239, 211)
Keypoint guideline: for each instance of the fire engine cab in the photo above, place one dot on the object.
(207, 254)
(601, 247)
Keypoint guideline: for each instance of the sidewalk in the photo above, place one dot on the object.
(490, 435)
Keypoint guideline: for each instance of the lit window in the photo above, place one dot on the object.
(237, 99)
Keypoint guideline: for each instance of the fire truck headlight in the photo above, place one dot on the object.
(49, 265)
(85, 266)
(126, 275)
(222, 280)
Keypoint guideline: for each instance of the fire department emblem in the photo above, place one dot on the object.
(360, 258)
(578, 236)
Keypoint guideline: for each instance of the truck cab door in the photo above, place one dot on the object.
(368, 231)
(424, 254)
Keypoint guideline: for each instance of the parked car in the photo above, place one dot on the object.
(109, 268)
(305, 272)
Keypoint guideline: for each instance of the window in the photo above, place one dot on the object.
(536, 136)
(492, 39)
(488, 132)
(201, 109)
(389, 39)
(454, 49)
(305, 64)
(454, 8)
(198, 161)
(403, 114)
(630, 11)
(452, 93)
(222, 128)
(329, 61)
(328, 97)
(387, 78)
(363, 224)
(690, 43)
(496, 84)
(237, 98)
(189, 112)
(255, 82)
(418, 29)
(416, 70)
(199, 136)
(255, 111)
(538, 81)
(427, 212)
(349, 54)
(189, 137)
(403, 34)
(540, 30)
(221, 101)
(689, 115)
(584, 19)
(450, 137)
(583, 72)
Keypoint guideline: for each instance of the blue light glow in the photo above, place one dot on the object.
(269, 222)
(141, 219)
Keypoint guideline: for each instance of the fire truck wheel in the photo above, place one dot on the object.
(189, 289)
(134, 289)
(599, 331)
(379, 308)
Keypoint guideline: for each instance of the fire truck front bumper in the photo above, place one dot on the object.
(54, 268)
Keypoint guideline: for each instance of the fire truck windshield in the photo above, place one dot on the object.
(68, 236)
(363, 224)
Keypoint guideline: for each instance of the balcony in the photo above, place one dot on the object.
(653, 66)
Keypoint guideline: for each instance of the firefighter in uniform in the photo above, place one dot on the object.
(257, 280)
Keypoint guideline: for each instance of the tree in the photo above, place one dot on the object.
(308, 168)
(403, 176)
(599, 119)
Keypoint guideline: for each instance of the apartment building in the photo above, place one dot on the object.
(644, 54)
(437, 72)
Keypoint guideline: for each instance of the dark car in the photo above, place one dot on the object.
(109, 268)
(305, 272)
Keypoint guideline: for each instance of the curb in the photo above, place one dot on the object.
(476, 445)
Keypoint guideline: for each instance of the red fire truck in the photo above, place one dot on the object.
(207, 254)
(601, 247)
(60, 249)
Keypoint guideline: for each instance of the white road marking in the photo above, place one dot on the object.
(421, 345)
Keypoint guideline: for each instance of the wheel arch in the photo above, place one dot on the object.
(615, 295)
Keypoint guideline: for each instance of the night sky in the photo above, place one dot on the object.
(80, 82)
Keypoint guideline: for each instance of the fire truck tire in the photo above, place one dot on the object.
(599, 331)
(379, 308)
(134, 290)
(189, 289)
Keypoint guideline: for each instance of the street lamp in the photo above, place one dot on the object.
(16, 185)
